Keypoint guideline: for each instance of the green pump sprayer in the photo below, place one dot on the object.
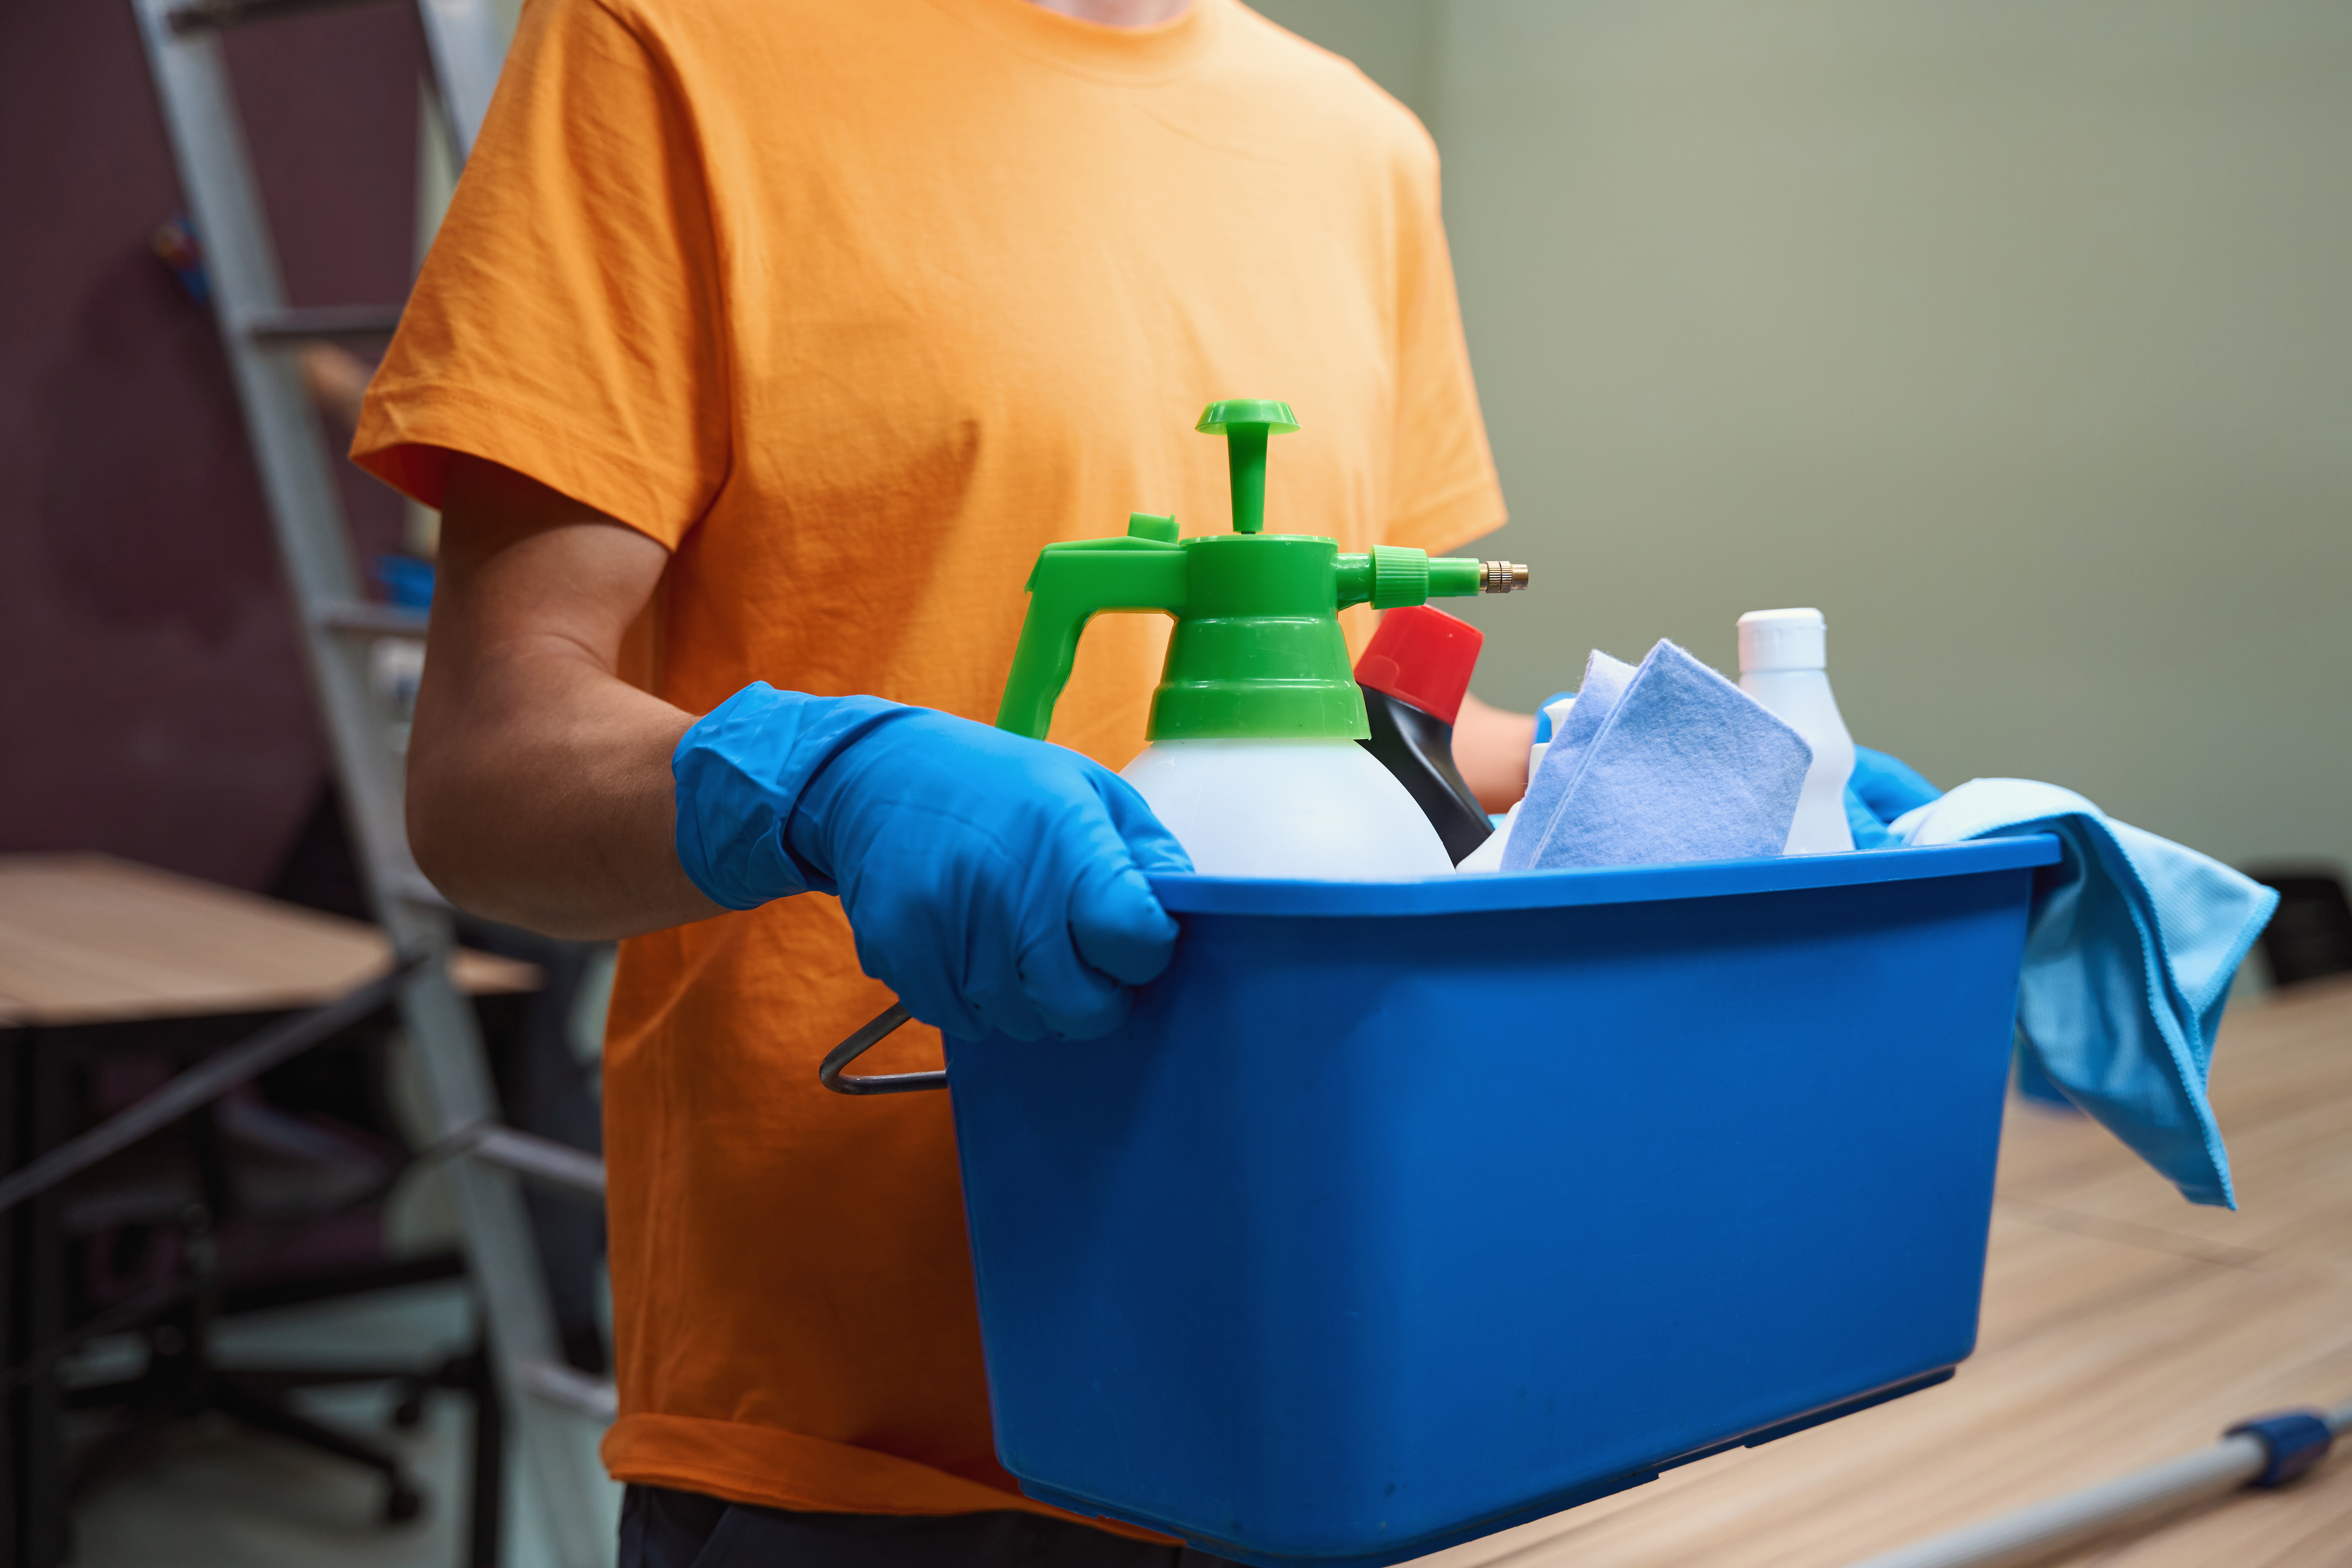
(1253, 762)
(1257, 652)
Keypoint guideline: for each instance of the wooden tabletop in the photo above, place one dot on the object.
(88, 939)
(2122, 1326)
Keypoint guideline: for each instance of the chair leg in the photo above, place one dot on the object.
(488, 1500)
(402, 1501)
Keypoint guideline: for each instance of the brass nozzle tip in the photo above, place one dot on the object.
(1503, 577)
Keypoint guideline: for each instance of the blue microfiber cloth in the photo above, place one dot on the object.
(1659, 765)
(2129, 952)
(1605, 683)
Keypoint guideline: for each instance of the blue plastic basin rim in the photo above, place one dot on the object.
(1189, 893)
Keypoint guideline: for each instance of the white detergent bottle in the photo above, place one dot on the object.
(1784, 664)
(1253, 762)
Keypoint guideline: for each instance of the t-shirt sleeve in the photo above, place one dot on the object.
(568, 321)
(1443, 488)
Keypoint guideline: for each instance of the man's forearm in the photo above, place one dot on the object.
(543, 798)
(539, 781)
(539, 789)
(1490, 748)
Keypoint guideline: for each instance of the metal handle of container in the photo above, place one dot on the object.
(879, 1027)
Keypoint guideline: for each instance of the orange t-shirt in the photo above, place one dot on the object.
(854, 305)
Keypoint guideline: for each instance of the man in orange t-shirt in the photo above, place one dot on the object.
(768, 340)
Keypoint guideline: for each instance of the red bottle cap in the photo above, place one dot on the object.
(1423, 656)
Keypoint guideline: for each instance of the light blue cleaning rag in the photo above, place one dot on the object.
(1664, 764)
(2129, 952)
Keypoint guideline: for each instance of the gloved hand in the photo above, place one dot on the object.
(994, 882)
(1882, 788)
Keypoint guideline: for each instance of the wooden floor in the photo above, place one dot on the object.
(2122, 1326)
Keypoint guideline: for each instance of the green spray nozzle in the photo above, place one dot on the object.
(1257, 651)
(1245, 423)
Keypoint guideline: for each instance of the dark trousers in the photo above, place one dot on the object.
(665, 1529)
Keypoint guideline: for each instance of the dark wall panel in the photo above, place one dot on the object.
(152, 701)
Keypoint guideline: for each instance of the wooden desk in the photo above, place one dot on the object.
(92, 949)
(87, 938)
(2122, 1326)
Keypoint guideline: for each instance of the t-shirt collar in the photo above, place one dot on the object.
(1095, 49)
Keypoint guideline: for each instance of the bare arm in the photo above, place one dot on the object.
(1490, 747)
(539, 781)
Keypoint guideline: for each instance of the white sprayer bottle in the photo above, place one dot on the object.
(1253, 763)
(1313, 810)
(1784, 664)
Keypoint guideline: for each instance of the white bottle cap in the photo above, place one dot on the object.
(1782, 639)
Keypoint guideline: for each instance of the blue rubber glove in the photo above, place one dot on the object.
(994, 882)
(1883, 787)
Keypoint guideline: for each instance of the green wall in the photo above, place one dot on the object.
(1394, 41)
(2017, 336)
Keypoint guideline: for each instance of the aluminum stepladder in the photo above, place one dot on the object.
(543, 1395)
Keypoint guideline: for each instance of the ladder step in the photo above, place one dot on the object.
(365, 618)
(295, 324)
(219, 15)
(296, 459)
(570, 1388)
(536, 1159)
(414, 887)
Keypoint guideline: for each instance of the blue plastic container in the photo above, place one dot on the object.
(1399, 1214)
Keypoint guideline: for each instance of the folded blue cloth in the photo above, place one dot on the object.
(1663, 763)
(1604, 682)
(2129, 952)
